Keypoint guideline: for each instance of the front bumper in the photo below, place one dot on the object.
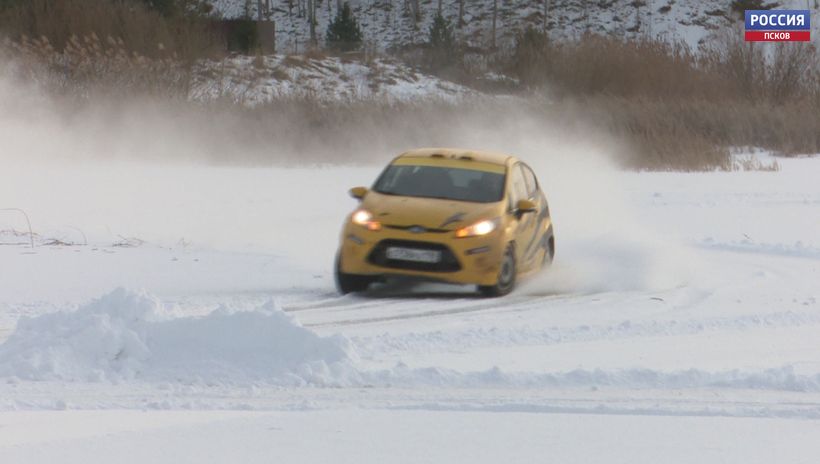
(473, 260)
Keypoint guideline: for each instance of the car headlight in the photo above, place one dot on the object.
(365, 219)
(479, 228)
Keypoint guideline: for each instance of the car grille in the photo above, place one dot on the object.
(448, 262)
(417, 229)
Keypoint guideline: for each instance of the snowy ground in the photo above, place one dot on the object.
(680, 323)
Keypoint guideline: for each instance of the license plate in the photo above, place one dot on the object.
(412, 254)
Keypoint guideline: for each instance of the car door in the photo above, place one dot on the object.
(533, 243)
(525, 222)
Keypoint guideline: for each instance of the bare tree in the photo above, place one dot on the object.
(544, 17)
(637, 27)
(411, 9)
(495, 18)
(312, 19)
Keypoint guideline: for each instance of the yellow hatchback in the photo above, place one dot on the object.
(447, 215)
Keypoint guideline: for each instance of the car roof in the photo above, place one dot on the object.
(458, 154)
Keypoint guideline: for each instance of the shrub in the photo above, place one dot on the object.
(530, 58)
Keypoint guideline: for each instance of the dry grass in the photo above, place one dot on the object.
(135, 27)
(79, 48)
(596, 65)
(679, 108)
(88, 66)
(728, 70)
(697, 134)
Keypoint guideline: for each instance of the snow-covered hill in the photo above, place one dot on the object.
(256, 80)
(391, 23)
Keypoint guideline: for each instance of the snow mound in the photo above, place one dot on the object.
(128, 336)
(133, 336)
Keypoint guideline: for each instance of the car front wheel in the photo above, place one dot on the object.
(506, 277)
(349, 283)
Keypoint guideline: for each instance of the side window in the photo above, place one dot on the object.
(532, 183)
(519, 185)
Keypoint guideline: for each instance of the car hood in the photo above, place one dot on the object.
(431, 213)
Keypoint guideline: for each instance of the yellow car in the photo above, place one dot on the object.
(447, 215)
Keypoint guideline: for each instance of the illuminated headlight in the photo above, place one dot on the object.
(365, 219)
(478, 229)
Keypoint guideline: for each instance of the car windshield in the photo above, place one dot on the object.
(441, 182)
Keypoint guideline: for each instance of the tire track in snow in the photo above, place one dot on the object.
(360, 311)
(527, 336)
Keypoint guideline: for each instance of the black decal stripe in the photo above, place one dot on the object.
(531, 249)
(454, 218)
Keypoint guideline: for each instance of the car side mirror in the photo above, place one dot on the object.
(525, 206)
(358, 192)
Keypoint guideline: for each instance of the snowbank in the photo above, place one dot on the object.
(126, 335)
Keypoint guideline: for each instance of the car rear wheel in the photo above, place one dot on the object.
(506, 277)
(349, 283)
(549, 252)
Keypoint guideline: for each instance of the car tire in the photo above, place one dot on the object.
(549, 252)
(349, 283)
(506, 277)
